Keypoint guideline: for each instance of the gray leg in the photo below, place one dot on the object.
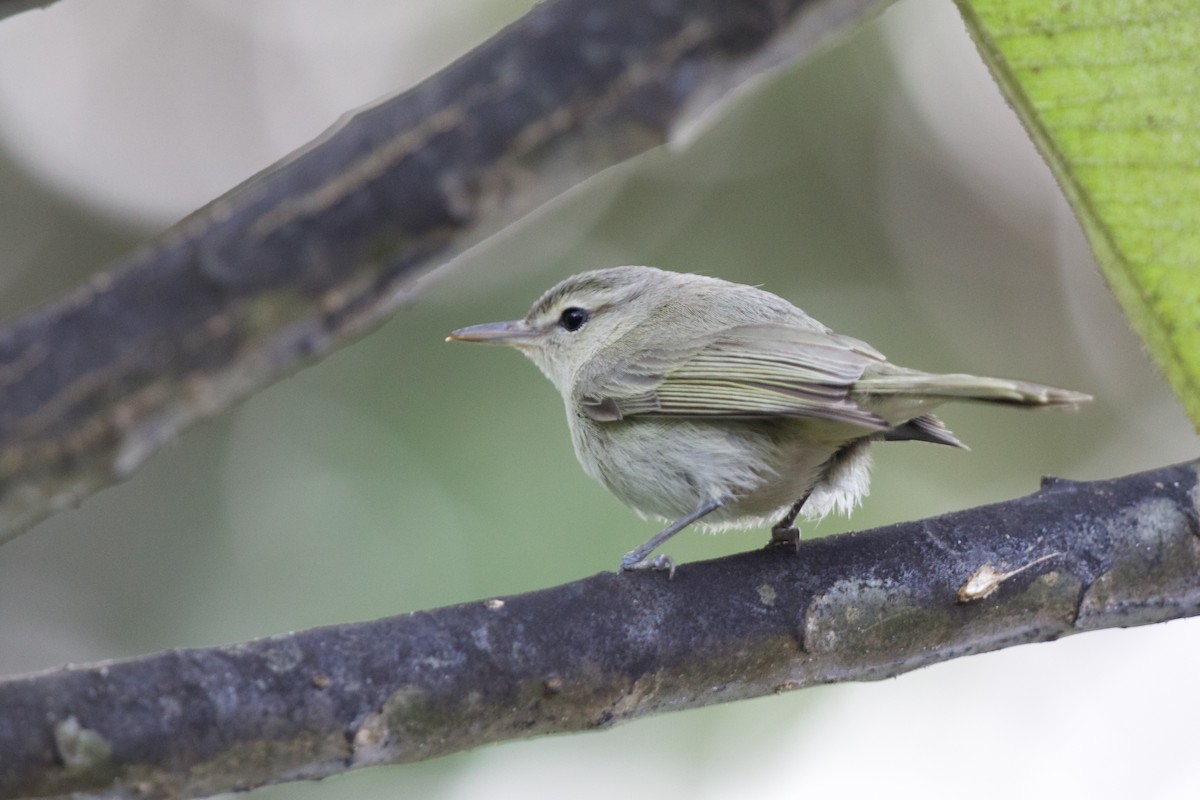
(784, 532)
(638, 557)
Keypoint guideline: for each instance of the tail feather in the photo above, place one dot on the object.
(970, 387)
(925, 428)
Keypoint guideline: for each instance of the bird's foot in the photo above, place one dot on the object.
(785, 536)
(660, 563)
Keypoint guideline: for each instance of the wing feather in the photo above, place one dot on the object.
(742, 372)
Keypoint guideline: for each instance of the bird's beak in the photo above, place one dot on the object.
(514, 333)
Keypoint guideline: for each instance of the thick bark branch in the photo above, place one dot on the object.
(1073, 557)
(10, 7)
(322, 247)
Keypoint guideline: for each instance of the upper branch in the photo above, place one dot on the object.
(321, 247)
(1073, 557)
(10, 7)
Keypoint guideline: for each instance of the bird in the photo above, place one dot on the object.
(696, 400)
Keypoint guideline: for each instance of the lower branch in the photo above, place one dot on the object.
(1072, 557)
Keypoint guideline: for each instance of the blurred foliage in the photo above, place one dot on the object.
(1109, 92)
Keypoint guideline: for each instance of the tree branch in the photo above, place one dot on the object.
(1073, 557)
(322, 247)
(10, 7)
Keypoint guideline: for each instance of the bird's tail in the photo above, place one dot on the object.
(971, 387)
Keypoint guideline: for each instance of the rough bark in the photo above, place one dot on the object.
(1072, 557)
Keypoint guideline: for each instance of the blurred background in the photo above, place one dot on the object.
(884, 186)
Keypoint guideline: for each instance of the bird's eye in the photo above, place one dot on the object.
(572, 319)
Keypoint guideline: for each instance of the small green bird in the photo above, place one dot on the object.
(699, 400)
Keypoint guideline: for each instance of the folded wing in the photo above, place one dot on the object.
(742, 372)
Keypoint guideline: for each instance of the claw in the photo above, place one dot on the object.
(660, 563)
(639, 558)
(785, 536)
(664, 563)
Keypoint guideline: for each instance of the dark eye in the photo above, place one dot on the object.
(573, 318)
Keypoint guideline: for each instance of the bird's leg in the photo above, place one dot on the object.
(638, 558)
(784, 532)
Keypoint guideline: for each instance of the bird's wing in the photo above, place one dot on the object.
(747, 371)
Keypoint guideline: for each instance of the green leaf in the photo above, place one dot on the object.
(1110, 92)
